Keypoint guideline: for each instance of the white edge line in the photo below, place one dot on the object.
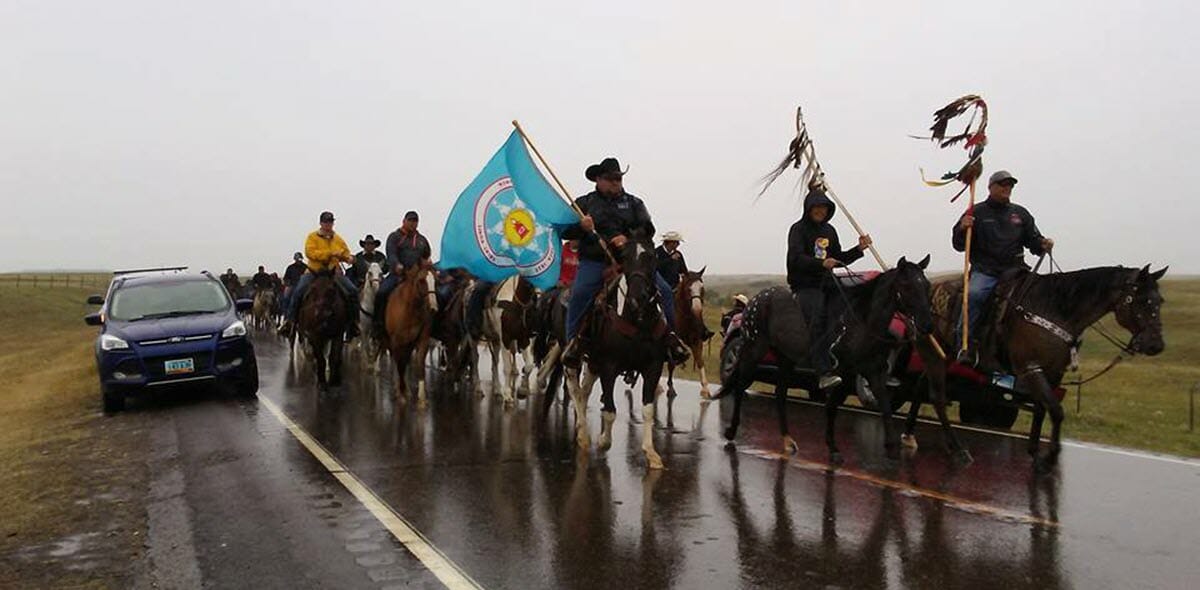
(448, 572)
(1070, 443)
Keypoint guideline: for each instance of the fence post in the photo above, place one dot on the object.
(1192, 408)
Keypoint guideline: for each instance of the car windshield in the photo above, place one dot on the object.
(138, 302)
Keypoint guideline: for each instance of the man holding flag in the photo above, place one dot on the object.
(610, 214)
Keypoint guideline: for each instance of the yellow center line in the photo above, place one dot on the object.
(448, 572)
(951, 500)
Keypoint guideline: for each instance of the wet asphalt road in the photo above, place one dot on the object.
(500, 492)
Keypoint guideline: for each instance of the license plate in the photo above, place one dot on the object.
(180, 366)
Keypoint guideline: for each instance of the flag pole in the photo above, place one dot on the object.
(565, 195)
(966, 301)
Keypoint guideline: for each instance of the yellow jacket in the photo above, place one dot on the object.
(324, 253)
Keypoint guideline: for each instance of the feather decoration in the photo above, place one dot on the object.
(973, 138)
(801, 154)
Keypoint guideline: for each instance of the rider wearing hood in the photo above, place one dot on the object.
(813, 251)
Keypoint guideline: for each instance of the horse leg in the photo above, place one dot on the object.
(937, 394)
(422, 349)
(579, 396)
(608, 409)
(833, 399)
(494, 349)
(318, 350)
(698, 358)
(743, 375)
(649, 385)
(401, 356)
(671, 380)
(527, 376)
(878, 382)
(1038, 384)
(781, 391)
(545, 371)
(335, 361)
(509, 354)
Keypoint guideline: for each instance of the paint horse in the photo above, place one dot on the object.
(369, 344)
(508, 320)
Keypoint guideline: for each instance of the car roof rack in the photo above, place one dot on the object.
(164, 269)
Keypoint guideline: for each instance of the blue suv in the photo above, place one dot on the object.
(167, 327)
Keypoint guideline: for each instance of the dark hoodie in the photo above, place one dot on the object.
(810, 243)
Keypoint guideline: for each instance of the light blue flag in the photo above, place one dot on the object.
(506, 222)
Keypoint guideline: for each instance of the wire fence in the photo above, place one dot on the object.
(54, 280)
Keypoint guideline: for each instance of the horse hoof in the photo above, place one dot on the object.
(671, 392)
(730, 433)
(908, 441)
(730, 445)
(706, 395)
(962, 458)
(789, 446)
(654, 461)
(605, 443)
(422, 404)
(1041, 466)
(836, 458)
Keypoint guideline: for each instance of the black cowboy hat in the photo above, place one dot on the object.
(605, 167)
(370, 239)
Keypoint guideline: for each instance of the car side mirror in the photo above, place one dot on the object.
(95, 300)
(244, 304)
(93, 319)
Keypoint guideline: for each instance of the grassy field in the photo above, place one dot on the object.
(1142, 403)
(67, 469)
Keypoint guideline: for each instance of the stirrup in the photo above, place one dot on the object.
(829, 380)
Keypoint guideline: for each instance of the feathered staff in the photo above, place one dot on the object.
(801, 153)
(974, 140)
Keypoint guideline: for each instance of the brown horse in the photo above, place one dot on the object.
(689, 326)
(625, 333)
(322, 322)
(1043, 319)
(508, 327)
(410, 310)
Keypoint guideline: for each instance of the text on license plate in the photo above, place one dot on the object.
(179, 366)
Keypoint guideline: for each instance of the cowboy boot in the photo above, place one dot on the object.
(677, 351)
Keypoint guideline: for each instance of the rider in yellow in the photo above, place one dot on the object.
(325, 249)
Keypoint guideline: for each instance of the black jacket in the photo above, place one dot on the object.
(293, 273)
(670, 266)
(362, 261)
(1002, 232)
(262, 280)
(613, 216)
(809, 244)
(407, 250)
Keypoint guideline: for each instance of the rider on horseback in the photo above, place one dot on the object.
(324, 250)
(612, 214)
(670, 260)
(406, 247)
(261, 280)
(291, 276)
(363, 260)
(1003, 230)
(813, 251)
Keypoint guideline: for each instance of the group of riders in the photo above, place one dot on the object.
(610, 216)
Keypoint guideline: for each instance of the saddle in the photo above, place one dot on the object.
(947, 304)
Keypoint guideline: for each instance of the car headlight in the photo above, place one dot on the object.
(234, 330)
(110, 342)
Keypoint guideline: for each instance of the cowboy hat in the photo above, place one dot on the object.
(741, 299)
(672, 236)
(370, 239)
(605, 167)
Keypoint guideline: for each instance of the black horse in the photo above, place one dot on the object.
(1042, 320)
(549, 340)
(625, 332)
(322, 322)
(776, 322)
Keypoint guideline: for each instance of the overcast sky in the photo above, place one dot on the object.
(213, 133)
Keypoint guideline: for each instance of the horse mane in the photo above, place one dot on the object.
(1062, 292)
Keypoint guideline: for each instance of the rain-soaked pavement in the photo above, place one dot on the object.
(500, 493)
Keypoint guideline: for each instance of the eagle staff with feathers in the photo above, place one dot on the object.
(974, 140)
(801, 153)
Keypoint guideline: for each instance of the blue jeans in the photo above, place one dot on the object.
(306, 279)
(589, 279)
(981, 289)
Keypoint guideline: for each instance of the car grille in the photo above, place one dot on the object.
(156, 369)
(172, 340)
